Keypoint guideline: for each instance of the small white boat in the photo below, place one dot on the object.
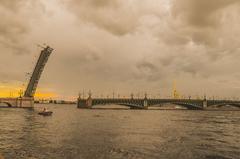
(45, 112)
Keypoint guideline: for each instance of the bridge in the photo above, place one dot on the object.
(21, 102)
(191, 104)
(27, 100)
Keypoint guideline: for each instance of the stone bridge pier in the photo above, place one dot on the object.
(21, 102)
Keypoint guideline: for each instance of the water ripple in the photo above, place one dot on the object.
(115, 134)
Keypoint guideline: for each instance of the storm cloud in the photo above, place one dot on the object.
(126, 46)
(204, 20)
(16, 16)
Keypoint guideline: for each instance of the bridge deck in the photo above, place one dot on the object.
(193, 104)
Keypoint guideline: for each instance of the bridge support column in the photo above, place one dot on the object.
(81, 103)
(145, 102)
(85, 103)
(89, 102)
(205, 104)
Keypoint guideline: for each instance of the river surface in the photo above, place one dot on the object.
(73, 133)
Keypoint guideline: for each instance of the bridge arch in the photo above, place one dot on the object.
(186, 105)
(6, 104)
(110, 106)
(233, 104)
(121, 105)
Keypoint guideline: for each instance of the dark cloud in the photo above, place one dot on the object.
(11, 25)
(12, 5)
(100, 3)
(202, 20)
(15, 23)
(202, 13)
(123, 45)
(148, 70)
(110, 15)
(146, 67)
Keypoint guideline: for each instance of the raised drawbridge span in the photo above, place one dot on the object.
(27, 100)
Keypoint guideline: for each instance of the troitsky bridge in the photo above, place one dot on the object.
(27, 100)
(192, 104)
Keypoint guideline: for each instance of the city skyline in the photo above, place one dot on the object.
(130, 46)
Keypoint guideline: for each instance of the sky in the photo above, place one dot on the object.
(125, 47)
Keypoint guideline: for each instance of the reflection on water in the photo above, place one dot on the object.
(73, 133)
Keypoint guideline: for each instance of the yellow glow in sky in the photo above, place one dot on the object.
(14, 91)
(45, 95)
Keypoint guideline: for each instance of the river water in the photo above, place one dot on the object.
(73, 133)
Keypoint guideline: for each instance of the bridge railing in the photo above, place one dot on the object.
(189, 103)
